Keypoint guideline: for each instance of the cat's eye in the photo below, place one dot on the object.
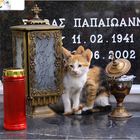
(79, 65)
(71, 66)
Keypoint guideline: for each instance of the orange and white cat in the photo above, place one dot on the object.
(80, 80)
(75, 77)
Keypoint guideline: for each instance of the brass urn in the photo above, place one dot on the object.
(119, 84)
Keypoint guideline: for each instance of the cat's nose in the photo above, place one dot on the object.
(75, 71)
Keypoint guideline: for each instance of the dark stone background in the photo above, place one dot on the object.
(70, 10)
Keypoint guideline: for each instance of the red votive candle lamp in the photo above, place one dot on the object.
(14, 99)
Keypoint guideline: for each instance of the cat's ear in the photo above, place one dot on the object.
(88, 54)
(80, 50)
(66, 53)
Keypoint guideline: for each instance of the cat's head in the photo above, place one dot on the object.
(78, 63)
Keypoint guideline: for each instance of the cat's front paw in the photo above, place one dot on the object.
(78, 110)
(67, 113)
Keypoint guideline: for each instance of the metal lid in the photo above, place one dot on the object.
(118, 67)
(13, 72)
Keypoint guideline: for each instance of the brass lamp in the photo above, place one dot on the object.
(37, 49)
(119, 85)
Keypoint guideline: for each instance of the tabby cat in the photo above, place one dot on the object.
(80, 80)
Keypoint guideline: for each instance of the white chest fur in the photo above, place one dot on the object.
(72, 90)
(71, 82)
